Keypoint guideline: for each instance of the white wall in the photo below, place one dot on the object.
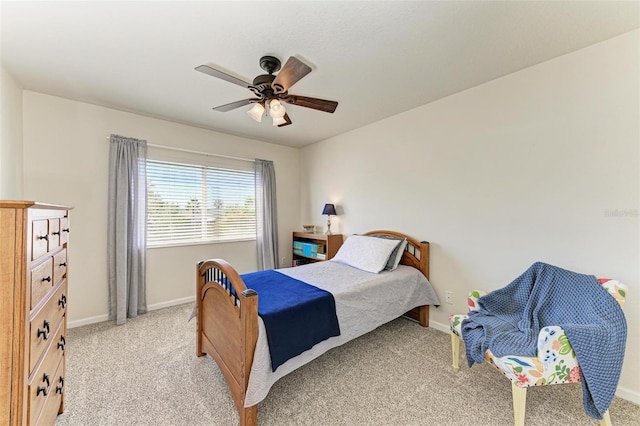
(10, 137)
(66, 156)
(542, 164)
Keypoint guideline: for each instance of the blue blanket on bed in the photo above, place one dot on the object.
(296, 315)
(508, 321)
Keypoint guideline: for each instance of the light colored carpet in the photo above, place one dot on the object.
(146, 373)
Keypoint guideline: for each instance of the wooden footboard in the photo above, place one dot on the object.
(227, 328)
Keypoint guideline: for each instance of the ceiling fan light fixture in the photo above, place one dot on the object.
(276, 109)
(256, 112)
(278, 121)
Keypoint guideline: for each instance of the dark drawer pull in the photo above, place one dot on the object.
(47, 279)
(41, 390)
(62, 302)
(62, 264)
(65, 230)
(61, 386)
(45, 378)
(44, 237)
(61, 343)
(55, 233)
(44, 331)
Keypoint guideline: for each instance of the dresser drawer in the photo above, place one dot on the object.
(45, 328)
(54, 234)
(41, 281)
(52, 404)
(39, 238)
(64, 230)
(59, 265)
(43, 383)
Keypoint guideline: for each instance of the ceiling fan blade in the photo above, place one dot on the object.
(313, 103)
(224, 76)
(236, 104)
(290, 74)
(286, 117)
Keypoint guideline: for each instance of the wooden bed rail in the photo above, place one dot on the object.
(229, 332)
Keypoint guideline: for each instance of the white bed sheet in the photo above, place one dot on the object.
(364, 301)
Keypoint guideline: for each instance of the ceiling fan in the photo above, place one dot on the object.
(271, 90)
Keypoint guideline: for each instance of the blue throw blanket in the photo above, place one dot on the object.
(508, 321)
(296, 315)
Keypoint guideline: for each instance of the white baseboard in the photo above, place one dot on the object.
(155, 306)
(170, 303)
(621, 392)
(87, 321)
(439, 326)
(628, 394)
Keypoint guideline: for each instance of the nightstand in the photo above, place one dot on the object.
(309, 247)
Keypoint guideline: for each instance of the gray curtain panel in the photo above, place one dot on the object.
(127, 228)
(266, 216)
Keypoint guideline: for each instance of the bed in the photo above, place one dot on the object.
(229, 329)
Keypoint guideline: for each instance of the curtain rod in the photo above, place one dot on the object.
(171, 148)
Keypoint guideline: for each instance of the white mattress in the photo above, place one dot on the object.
(364, 301)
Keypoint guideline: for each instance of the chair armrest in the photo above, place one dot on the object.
(455, 324)
(455, 320)
(616, 289)
(472, 299)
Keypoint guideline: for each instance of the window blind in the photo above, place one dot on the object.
(196, 203)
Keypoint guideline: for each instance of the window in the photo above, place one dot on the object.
(199, 203)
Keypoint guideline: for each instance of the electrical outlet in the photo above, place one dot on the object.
(284, 261)
(448, 297)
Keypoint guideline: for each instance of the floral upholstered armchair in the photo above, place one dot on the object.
(555, 363)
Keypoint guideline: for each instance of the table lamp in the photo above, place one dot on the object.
(329, 210)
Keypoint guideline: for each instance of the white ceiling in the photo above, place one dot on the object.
(377, 59)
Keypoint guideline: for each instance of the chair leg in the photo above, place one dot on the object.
(606, 419)
(519, 403)
(455, 352)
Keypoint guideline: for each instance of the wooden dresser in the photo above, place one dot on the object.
(33, 306)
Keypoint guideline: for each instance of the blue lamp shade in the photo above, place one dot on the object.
(329, 209)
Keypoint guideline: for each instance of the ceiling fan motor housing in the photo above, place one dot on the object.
(262, 86)
(262, 83)
(264, 79)
(270, 64)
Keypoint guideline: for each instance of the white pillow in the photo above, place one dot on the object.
(367, 253)
(396, 254)
(399, 253)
